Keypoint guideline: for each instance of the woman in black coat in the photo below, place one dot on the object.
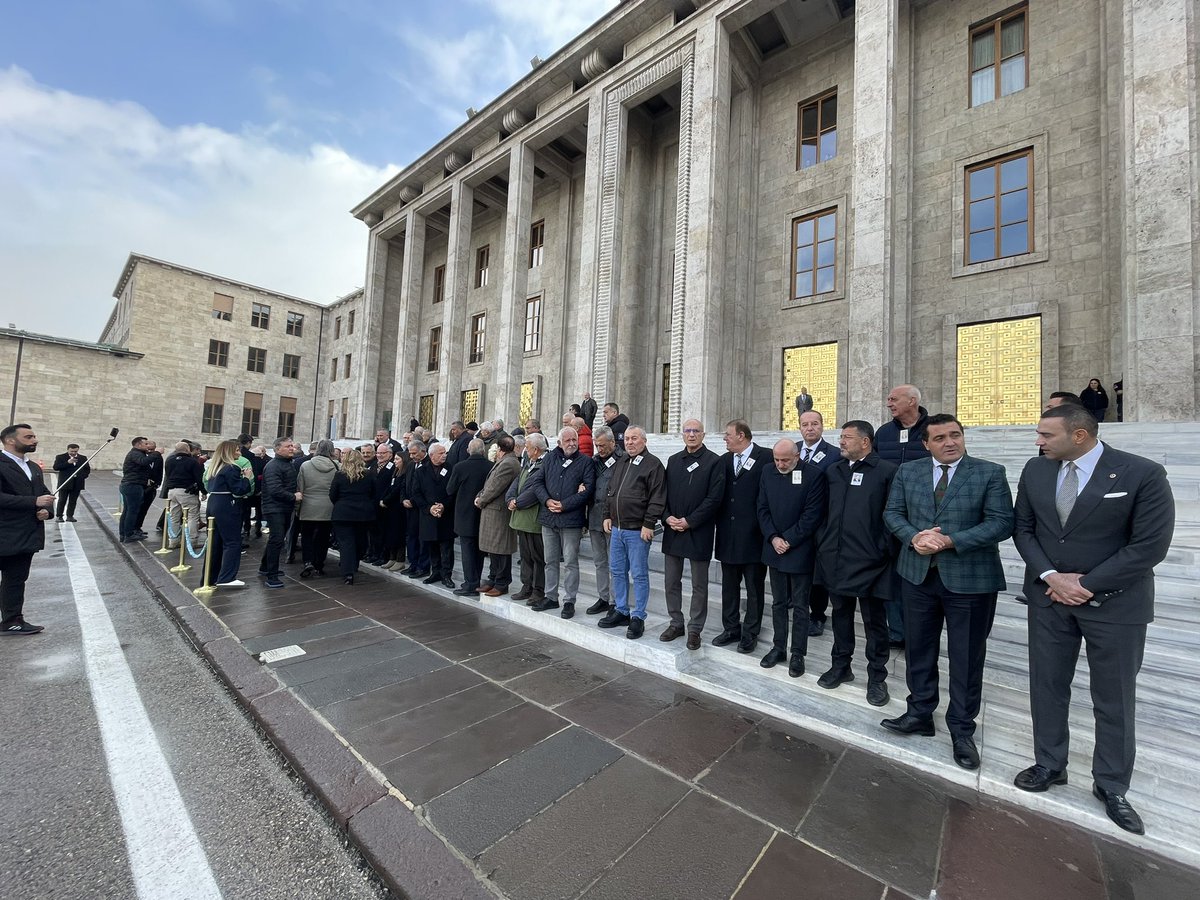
(355, 500)
(1095, 399)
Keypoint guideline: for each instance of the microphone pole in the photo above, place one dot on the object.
(87, 459)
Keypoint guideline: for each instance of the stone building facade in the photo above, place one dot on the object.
(694, 208)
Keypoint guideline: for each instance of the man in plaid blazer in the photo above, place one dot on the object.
(950, 514)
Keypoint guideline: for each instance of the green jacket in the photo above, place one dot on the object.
(525, 519)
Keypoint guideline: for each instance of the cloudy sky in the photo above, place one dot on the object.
(229, 135)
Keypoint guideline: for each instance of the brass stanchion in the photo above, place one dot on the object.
(164, 549)
(207, 589)
(183, 545)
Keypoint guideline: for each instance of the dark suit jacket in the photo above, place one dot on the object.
(695, 489)
(21, 531)
(457, 451)
(739, 540)
(1118, 530)
(793, 512)
(65, 470)
(429, 486)
(825, 455)
(353, 501)
(976, 513)
(466, 482)
(855, 551)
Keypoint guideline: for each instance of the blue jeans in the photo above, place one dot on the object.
(131, 505)
(629, 556)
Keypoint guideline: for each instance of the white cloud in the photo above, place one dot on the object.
(83, 182)
(547, 24)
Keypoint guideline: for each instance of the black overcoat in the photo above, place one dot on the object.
(695, 489)
(855, 550)
(466, 481)
(21, 531)
(430, 487)
(739, 540)
(792, 507)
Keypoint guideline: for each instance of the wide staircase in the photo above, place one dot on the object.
(1165, 788)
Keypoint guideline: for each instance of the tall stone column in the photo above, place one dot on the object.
(454, 315)
(583, 305)
(1161, 200)
(409, 342)
(511, 346)
(362, 418)
(870, 284)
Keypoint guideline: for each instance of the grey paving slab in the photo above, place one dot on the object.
(363, 637)
(621, 705)
(258, 629)
(566, 679)
(300, 635)
(516, 661)
(359, 681)
(701, 850)
(791, 868)
(346, 661)
(462, 647)
(1132, 874)
(691, 735)
(566, 847)
(393, 699)
(477, 814)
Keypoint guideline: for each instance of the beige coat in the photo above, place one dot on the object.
(494, 534)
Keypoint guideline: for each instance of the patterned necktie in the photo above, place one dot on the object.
(939, 492)
(1068, 493)
(737, 464)
(807, 453)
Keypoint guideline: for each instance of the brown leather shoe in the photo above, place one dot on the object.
(494, 592)
(484, 588)
(671, 632)
(693, 641)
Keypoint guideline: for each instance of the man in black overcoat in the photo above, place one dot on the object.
(466, 481)
(432, 499)
(25, 505)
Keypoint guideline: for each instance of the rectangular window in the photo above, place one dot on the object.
(533, 324)
(286, 425)
(337, 328)
(260, 315)
(478, 327)
(333, 369)
(814, 254)
(345, 415)
(999, 205)
(214, 410)
(295, 325)
(435, 348)
(252, 414)
(439, 284)
(256, 359)
(218, 353)
(350, 322)
(537, 239)
(346, 368)
(330, 419)
(999, 63)
(291, 365)
(818, 131)
(222, 307)
(482, 255)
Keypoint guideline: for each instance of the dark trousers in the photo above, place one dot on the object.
(789, 600)
(673, 585)
(279, 523)
(314, 543)
(226, 544)
(249, 505)
(733, 575)
(472, 561)
(396, 537)
(968, 620)
(894, 609)
(441, 558)
(67, 500)
(533, 562)
(131, 505)
(500, 570)
(818, 602)
(418, 555)
(14, 572)
(1114, 655)
(874, 625)
(377, 549)
(148, 494)
(352, 544)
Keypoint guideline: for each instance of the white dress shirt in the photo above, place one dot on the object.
(22, 462)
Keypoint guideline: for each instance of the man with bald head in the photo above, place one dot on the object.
(791, 507)
(695, 486)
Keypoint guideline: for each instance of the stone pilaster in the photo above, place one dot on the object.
(363, 416)
(511, 345)
(454, 315)
(584, 306)
(1162, 224)
(870, 283)
(410, 344)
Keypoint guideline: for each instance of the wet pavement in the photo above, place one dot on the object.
(555, 772)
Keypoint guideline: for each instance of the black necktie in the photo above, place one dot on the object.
(939, 492)
(807, 453)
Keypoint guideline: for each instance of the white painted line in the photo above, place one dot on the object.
(165, 855)
(270, 656)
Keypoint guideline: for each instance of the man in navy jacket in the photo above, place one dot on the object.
(563, 486)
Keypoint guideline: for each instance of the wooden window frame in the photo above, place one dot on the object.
(483, 258)
(533, 317)
(995, 24)
(337, 327)
(291, 365)
(252, 415)
(342, 419)
(814, 217)
(537, 243)
(434, 362)
(478, 342)
(817, 102)
(218, 311)
(346, 367)
(212, 414)
(995, 163)
(218, 353)
(285, 422)
(439, 284)
(350, 322)
(295, 323)
(333, 369)
(256, 360)
(260, 316)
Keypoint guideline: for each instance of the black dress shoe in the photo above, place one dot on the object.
(773, 658)
(72, 519)
(1119, 810)
(568, 611)
(725, 638)
(465, 592)
(418, 573)
(877, 693)
(432, 579)
(448, 583)
(834, 677)
(614, 619)
(966, 754)
(544, 604)
(747, 643)
(636, 629)
(671, 632)
(598, 607)
(1038, 778)
(349, 579)
(816, 627)
(307, 571)
(796, 666)
(909, 724)
(693, 640)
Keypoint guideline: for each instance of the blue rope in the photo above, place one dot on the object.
(167, 521)
(187, 540)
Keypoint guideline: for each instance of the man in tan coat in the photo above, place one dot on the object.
(496, 538)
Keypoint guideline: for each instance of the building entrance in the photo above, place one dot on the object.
(813, 367)
(1000, 372)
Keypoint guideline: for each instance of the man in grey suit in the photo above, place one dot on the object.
(1091, 524)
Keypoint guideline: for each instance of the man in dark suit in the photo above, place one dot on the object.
(950, 515)
(436, 522)
(466, 483)
(155, 459)
(804, 401)
(459, 439)
(1091, 524)
(70, 465)
(25, 505)
(135, 481)
(791, 507)
(815, 450)
(417, 552)
(739, 542)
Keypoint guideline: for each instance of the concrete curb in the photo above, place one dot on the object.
(411, 859)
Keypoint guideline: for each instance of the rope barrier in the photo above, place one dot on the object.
(187, 539)
(206, 588)
(182, 566)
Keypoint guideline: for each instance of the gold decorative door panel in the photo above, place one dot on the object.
(470, 405)
(526, 405)
(425, 411)
(814, 367)
(1000, 372)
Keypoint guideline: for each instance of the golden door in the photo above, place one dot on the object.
(814, 367)
(525, 412)
(1000, 372)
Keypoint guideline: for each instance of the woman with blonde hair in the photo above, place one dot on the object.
(355, 501)
(227, 484)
